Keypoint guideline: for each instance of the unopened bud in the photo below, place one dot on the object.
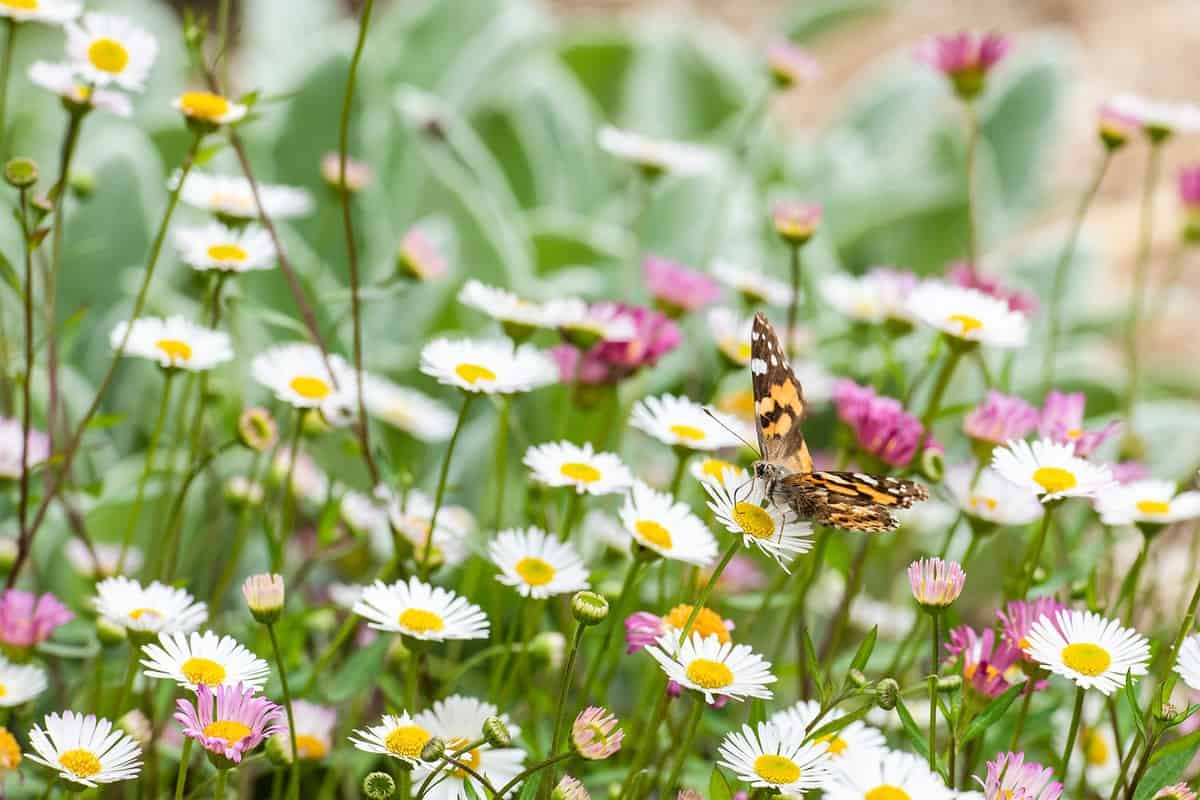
(21, 173)
(549, 646)
(109, 633)
(950, 683)
(278, 752)
(1165, 712)
(589, 608)
(379, 786)
(856, 678)
(933, 464)
(887, 692)
(495, 732)
(433, 750)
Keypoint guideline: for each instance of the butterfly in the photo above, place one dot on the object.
(852, 501)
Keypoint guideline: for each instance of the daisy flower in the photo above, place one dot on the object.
(297, 375)
(965, 58)
(1010, 775)
(578, 466)
(358, 174)
(850, 742)
(491, 366)
(569, 789)
(755, 287)
(1062, 422)
(314, 730)
(968, 315)
(203, 659)
(795, 221)
(656, 156)
(62, 81)
(659, 522)
(173, 343)
(885, 774)
(962, 273)
(27, 619)
(988, 667)
(1147, 501)
(731, 332)
(1158, 117)
(595, 735)
(1187, 665)
(1001, 418)
(518, 316)
(935, 583)
(588, 323)
(992, 498)
(880, 424)
(419, 258)
(84, 749)
(1018, 616)
(775, 758)
(713, 668)
(421, 611)
(209, 108)
(156, 608)
(757, 521)
(680, 422)
(537, 565)
(718, 471)
(107, 49)
(677, 289)
(53, 12)
(231, 196)
(407, 409)
(1090, 650)
(1177, 791)
(217, 247)
(20, 683)
(238, 724)
(458, 720)
(1051, 471)
(876, 297)
(412, 518)
(101, 560)
(791, 65)
(397, 737)
(33, 448)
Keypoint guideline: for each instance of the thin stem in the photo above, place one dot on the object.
(531, 771)
(1022, 713)
(175, 518)
(572, 516)
(27, 384)
(1129, 586)
(294, 775)
(10, 43)
(646, 742)
(185, 756)
(127, 683)
(1140, 272)
(709, 585)
(483, 781)
(942, 382)
(933, 681)
(237, 543)
(219, 789)
(1185, 627)
(794, 268)
(853, 584)
(689, 736)
(1143, 764)
(972, 200)
(567, 674)
(147, 468)
(615, 615)
(287, 506)
(1069, 749)
(439, 494)
(753, 113)
(803, 679)
(501, 459)
(1034, 557)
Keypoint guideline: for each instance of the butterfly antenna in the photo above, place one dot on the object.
(739, 437)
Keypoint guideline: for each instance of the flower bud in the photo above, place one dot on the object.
(856, 678)
(933, 464)
(378, 786)
(109, 633)
(256, 429)
(433, 750)
(589, 608)
(887, 692)
(21, 173)
(569, 789)
(495, 732)
(138, 728)
(949, 684)
(549, 646)
(265, 596)
(796, 222)
(8, 554)
(278, 751)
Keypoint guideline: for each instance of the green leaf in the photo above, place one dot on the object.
(469, 790)
(915, 735)
(810, 656)
(992, 713)
(832, 727)
(816, 17)
(9, 274)
(863, 654)
(529, 788)
(718, 787)
(1132, 699)
(1167, 765)
(758, 712)
(359, 671)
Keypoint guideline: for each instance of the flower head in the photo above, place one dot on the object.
(203, 659)
(50, 12)
(755, 287)
(421, 611)
(1158, 118)
(988, 667)
(790, 64)
(796, 222)
(659, 522)
(1187, 665)
(232, 197)
(680, 422)
(209, 109)
(62, 80)
(16, 449)
(965, 58)
(537, 565)
(26, 619)
(646, 336)
(407, 409)
(678, 289)
(256, 429)
(1011, 777)
(713, 668)
(20, 683)
(358, 173)
(173, 343)
(314, 730)
(1115, 126)
(968, 315)
(777, 759)
(489, 366)
(1149, 501)
(886, 774)
(654, 156)
(84, 750)
(458, 721)
(236, 726)
(595, 735)
(1018, 616)
(419, 258)
(107, 49)
(850, 742)
(299, 375)
(413, 520)
(963, 274)
(577, 466)
(936, 583)
(399, 737)
(880, 424)
(1090, 650)
(518, 316)
(1062, 421)
(101, 559)
(265, 596)
(991, 498)
(1050, 471)
(881, 295)
(215, 246)
(758, 521)
(1001, 418)
(642, 629)
(569, 789)
(156, 608)
(1177, 791)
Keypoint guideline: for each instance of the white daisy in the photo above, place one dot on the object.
(458, 721)
(712, 668)
(654, 155)
(680, 422)
(215, 246)
(1161, 115)
(537, 565)
(101, 561)
(54, 12)
(1146, 501)
(397, 737)
(731, 332)
(1187, 665)
(492, 366)
(421, 611)
(367, 513)
(412, 411)
(502, 305)
(174, 343)
(755, 286)
(775, 758)
(887, 774)
(993, 498)
(209, 108)
(84, 749)
(156, 608)
(1050, 470)
(232, 196)
(297, 374)
(851, 741)
(62, 81)
(712, 470)
(345, 595)
(589, 321)
(743, 509)
(108, 49)
(579, 466)
(314, 730)
(411, 514)
(191, 659)
(309, 483)
(878, 296)
(1092, 651)
(968, 315)
(657, 521)
(20, 683)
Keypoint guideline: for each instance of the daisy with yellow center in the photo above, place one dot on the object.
(232, 197)
(421, 611)
(1093, 652)
(712, 668)
(229, 721)
(407, 409)
(62, 81)
(968, 315)
(84, 750)
(217, 247)
(656, 156)
(879, 296)
(203, 658)
(885, 775)
(488, 366)
(173, 343)
(410, 516)
(156, 608)
(458, 720)
(770, 757)
(856, 739)
(577, 466)
(314, 730)
(713, 469)
(51, 12)
(298, 375)
(743, 509)
(731, 332)
(106, 49)
(20, 683)
(991, 498)
(519, 317)
(398, 737)
(658, 522)
(209, 108)
(680, 422)
(537, 565)
(1050, 470)
(754, 285)
(1152, 501)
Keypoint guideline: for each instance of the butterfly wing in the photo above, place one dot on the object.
(778, 401)
(852, 500)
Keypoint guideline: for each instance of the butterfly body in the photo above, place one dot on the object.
(848, 500)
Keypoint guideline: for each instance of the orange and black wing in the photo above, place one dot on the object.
(853, 500)
(778, 401)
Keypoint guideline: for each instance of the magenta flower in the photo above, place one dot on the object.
(676, 288)
(1115, 126)
(986, 664)
(1129, 471)
(418, 258)
(654, 336)
(880, 424)
(1189, 187)
(791, 65)
(1178, 791)
(965, 58)
(1018, 617)
(936, 583)
(742, 574)
(1062, 422)
(1011, 778)
(1000, 419)
(239, 725)
(26, 620)
(963, 274)
(595, 734)
(796, 221)
(641, 630)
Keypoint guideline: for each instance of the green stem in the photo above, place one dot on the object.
(1185, 628)
(127, 683)
(536, 768)
(796, 609)
(1069, 749)
(294, 776)
(572, 516)
(219, 789)
(174, 529)
(10, 44)
(972, 201)
(501, 477)
(27, 384)
(440, 492)
(1034, 556)
(933, 681)
(561, 712)
(1140, 273)
(185, 756)
(689, 736)
(147, 468)
(1129, 586)
(853, 585)
(286, 507)
(615, 617)
(709, 585)
(794, 268)
(50, 784)
(681, 461)
(646, 742)
(1143, 764)
(234, 555)
(955, 354)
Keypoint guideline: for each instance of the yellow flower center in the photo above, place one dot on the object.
(309, 388)
(583, 473)
(836, 744)
(535, 571)
(406, 741)
(204, 105)
(778, 770)
(887, 792)
(473, 373)
(203, 670)
(707, 622)
(1054, 479)
(108, 55)
(743, 351)
(10, 751)
(978, 501)
(27, 5)
(227, 252)
(966, 323)
(1074, 433)
(1086, 658)
(174, 349)
(1153, 506)
(714, 468)
(310, 746)
(3, 690)
(738, 403)
(138, 613)
(421, 621)
(653, 533)
(709, 674)
(80, 762)
(230, 730)
(1095, 749)
(689, 432)
(471, 758)
(754, 520)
